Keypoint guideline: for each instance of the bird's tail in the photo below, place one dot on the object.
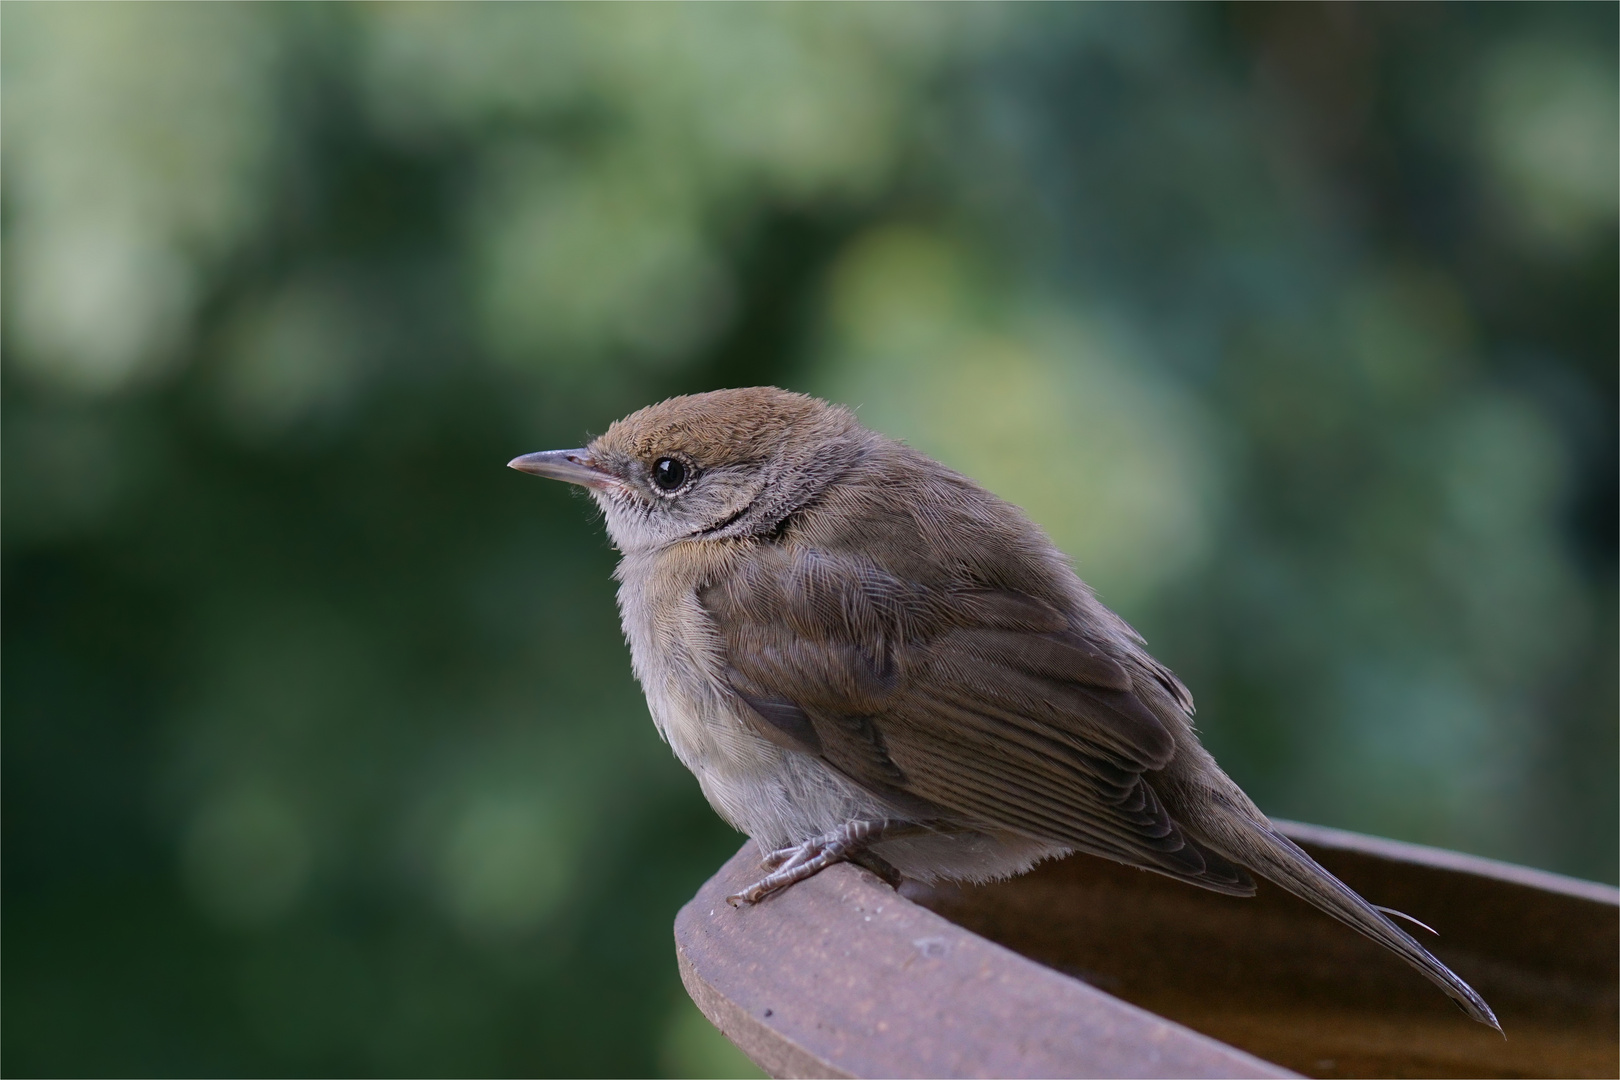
(1278, 859)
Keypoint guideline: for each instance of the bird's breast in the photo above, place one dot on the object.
(775, 795)
(678, 659)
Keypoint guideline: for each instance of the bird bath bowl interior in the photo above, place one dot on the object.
(1086, 968)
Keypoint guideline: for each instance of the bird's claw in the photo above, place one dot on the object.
(786, 865)
(793, 864)
(751, 895)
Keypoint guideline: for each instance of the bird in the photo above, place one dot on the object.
(863, 655)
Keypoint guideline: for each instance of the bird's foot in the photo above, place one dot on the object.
(847, 843)
(788, 857)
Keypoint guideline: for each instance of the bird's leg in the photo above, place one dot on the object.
(847, 843)
(788, 858)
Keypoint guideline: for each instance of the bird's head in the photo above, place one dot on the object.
(723, 464)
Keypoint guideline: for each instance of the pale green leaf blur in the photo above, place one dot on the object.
(1294, 325)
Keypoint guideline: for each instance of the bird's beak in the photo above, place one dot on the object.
(574, 466)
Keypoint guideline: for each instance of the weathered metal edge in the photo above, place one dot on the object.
(728, 958)
(769, 1049)
(1454, 861)
(866, 983)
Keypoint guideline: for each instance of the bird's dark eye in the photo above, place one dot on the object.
(669, 473)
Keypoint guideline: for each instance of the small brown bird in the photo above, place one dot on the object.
(865, 656)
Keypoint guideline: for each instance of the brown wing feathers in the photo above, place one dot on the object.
(1062, 679)
(1010, 718)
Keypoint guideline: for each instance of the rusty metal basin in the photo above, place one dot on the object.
(1086, 968)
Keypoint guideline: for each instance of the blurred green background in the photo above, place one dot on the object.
(1295, 325)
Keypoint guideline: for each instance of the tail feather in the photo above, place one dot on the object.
(1279, 860)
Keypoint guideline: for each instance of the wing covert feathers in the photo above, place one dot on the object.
(995, 708)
